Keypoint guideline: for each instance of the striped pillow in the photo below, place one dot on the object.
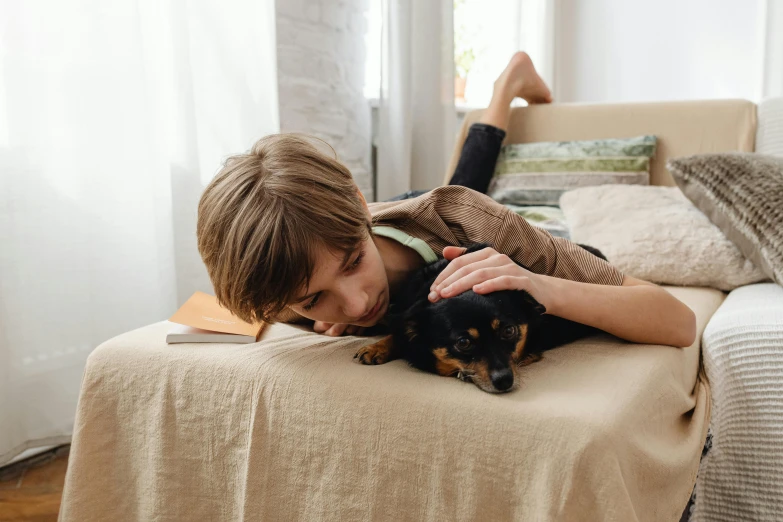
(538, 173)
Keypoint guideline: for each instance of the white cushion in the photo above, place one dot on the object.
(656, 234)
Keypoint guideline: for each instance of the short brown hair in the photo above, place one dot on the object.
(262, 217)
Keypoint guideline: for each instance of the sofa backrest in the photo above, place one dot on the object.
(682, 127)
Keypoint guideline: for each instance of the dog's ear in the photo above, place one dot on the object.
(537, 307)
(412, 319)
(411, 329)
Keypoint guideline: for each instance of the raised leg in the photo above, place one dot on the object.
(518, 79)
(482, 144)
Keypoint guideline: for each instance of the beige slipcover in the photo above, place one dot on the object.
(292, 428)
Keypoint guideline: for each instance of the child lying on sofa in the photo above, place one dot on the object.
(286, 234)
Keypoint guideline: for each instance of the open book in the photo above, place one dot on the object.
(202, 320)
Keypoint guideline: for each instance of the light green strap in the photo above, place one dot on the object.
(415, 243)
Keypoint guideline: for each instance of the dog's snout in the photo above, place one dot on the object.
(502, 379)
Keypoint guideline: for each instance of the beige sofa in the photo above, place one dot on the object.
(292, 428)
(741, 474)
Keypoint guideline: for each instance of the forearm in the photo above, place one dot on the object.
(641, 313)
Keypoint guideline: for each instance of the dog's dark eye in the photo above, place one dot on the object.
(508, 332)
(462, 344)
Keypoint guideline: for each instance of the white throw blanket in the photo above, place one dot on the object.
(741, 478)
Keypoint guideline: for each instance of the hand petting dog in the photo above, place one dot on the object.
(484, 271)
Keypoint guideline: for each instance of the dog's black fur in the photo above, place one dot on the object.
(483, 338)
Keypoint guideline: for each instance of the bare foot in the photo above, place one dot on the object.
(521, 79)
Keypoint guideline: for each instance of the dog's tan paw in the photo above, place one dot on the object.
(376, 353)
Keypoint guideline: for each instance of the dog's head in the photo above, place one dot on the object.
(475, 337)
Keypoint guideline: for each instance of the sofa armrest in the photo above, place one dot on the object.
(743, 358)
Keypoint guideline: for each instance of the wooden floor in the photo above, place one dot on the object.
(31, 489)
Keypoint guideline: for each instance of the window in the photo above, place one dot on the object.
(486, 34)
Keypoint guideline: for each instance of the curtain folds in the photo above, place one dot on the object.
(417, 120)
(113, 116)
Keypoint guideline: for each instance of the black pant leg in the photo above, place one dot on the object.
(476, 161)
(478, 157)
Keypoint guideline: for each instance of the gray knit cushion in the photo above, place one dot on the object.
(742, 193)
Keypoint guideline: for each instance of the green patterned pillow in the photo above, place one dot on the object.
(549, 218)
(539, 173)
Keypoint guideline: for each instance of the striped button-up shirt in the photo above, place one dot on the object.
(457, 215)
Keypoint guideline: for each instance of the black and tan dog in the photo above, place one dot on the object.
(483, 338)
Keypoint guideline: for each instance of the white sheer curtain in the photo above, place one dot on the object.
(113, 115)
(417, 120)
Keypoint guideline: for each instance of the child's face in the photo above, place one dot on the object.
(346, 293)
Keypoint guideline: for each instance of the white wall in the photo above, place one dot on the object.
(320, 67)
(621, 50)
(773, 55)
